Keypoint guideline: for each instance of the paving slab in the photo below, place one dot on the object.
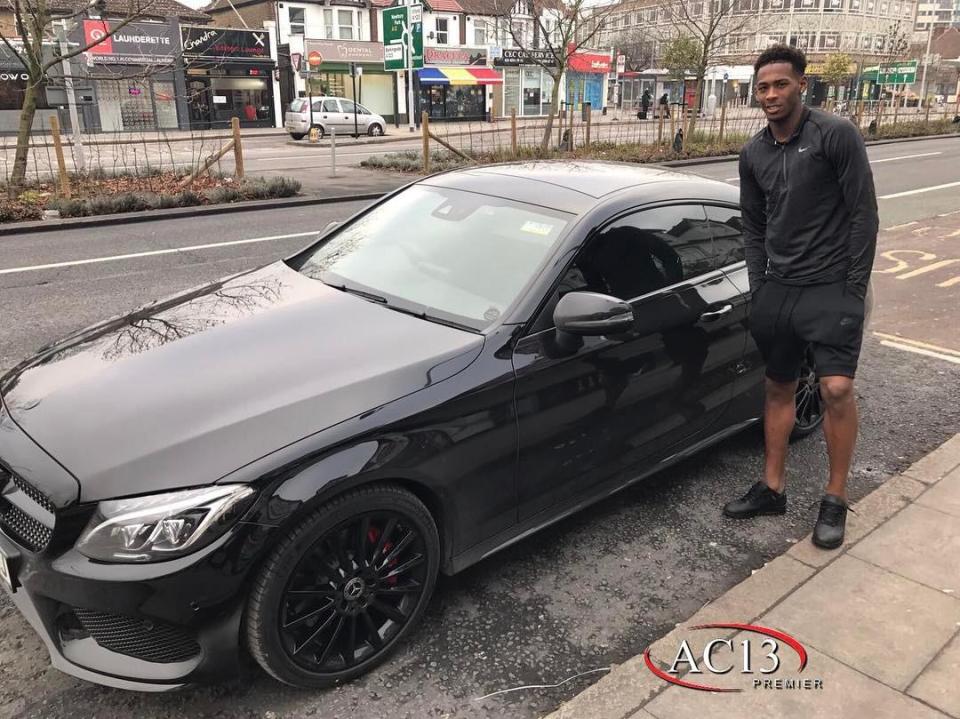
(938, 464)
(944, 495)
(938, 685)
(919, 543)
(881, 624)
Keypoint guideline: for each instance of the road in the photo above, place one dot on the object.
(594, 589)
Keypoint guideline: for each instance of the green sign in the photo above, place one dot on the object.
(402, 25)
(894, 73)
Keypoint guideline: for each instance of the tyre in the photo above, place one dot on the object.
(297, 135)
(809, 404)
(343, 587)
(375, 129)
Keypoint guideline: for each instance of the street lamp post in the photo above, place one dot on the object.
(79, 156)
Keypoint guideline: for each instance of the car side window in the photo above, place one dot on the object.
(348, 106)
(362, 110)
(330, 106)
(726, 225)
(638, 254)
(317, 105)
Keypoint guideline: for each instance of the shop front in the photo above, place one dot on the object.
(229, 73)
(133, 76)
(326, 67)
(13, 86)
(455, 84)
(587, 78)
(527, 86)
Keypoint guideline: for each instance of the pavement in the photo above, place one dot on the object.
(879, 619)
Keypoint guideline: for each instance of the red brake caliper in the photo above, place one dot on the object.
(373, 535)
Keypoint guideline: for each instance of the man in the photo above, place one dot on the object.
(664, 106)
(645, 101)
(810, 231)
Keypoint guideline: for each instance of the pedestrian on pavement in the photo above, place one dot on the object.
(664, 106)
(810, 232)
(645, 101)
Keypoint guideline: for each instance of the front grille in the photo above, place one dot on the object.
(19, 519)
(140, 638)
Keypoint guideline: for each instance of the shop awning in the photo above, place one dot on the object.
(485, 75)
(459, 76)
(432, 76)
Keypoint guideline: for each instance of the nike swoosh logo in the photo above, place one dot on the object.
(803, 149)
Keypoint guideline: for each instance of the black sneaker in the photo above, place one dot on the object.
(828, 534)
(759, 500)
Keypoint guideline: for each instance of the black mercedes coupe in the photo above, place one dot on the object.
(282, 461)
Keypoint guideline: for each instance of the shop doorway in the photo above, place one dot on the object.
(199, 103)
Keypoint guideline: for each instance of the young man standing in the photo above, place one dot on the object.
(810, 229)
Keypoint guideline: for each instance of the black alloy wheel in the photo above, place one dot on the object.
(343, 587)
(809, 403)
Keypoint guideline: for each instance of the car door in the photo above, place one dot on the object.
(726, 226)
(592, 410)
(331, 116)
(348, 126)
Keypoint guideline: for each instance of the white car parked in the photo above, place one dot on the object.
(329, 114)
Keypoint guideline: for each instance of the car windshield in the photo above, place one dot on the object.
(442, 254)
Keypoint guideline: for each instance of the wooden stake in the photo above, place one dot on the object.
(425, 130)
(513, 130)
(213, 159)
(589, 120)
(563, 114)
(660, 130)
(723, 121)
(237, 147)
(61, 161)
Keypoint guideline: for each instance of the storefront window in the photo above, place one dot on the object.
(165, 102)
(528, 90)
(245, 97)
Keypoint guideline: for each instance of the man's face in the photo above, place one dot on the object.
(778, 90)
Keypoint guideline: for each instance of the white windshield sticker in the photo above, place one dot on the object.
(541, 229)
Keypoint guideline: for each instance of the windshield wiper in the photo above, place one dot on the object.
(423, 315)
(344, 287)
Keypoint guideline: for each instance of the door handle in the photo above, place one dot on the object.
(716, 314)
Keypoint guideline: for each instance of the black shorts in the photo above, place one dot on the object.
(785, 319)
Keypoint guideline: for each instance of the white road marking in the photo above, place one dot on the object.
(928, 268)
(920, 351)
(732, 179)
(899, 227)
(918, 191)
(905, 157)
(152, 253)
(917, 343)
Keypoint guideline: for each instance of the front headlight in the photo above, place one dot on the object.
(162, 526)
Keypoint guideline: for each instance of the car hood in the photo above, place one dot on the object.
(184, 391)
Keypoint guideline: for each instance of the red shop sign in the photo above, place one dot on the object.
(589, 62)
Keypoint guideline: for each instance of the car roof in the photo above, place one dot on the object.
(577, 185)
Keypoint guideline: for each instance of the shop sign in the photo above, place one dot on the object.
(454, 56)
(136, 43)
(513, 57)
(344, 51)
(216, 43)
(589, 62)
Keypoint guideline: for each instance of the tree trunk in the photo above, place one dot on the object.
(688, 137)
(554, 108)
(27, 113)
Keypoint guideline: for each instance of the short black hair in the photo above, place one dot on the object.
(782, 53)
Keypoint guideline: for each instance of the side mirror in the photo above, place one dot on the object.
(590, 314)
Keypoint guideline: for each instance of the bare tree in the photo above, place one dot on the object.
(34, 21)
(712, 24)
(549, 32)
(638, 48)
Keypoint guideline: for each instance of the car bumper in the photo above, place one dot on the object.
(153, 627)
(296, 127)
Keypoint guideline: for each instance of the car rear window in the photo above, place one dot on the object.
(298, 105)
